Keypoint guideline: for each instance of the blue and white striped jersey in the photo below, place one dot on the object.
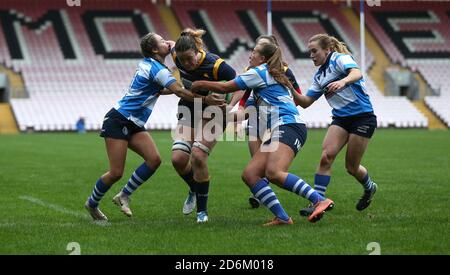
(272, 100)
(150, 78)
(348, 101)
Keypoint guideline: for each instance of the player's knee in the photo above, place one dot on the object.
(198, 158)
(351, 169)
(115, 174)
(179, 160)
(200, 153)
(247, 177)
(181, 151)
(326, 159)
(154, 162)
(250, 177)
(274, 175)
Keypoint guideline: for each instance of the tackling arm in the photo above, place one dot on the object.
(218, 87)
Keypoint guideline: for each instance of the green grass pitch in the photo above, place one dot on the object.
(46, 178)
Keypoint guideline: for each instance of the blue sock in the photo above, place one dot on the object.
(189, 179)
(202, 189)
(97, 194)
(139, 176)
(300, 187)
(367, 182)
(266, 196)
(320, 183)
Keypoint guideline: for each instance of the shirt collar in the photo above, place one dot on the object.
(323, 68)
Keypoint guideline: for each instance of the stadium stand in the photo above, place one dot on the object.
(439, 105)
(293, 24)
(77, 61)
(417, 36)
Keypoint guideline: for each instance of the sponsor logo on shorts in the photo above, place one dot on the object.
(297, 144)
(277, 134)
(363, 129)
(125, 130)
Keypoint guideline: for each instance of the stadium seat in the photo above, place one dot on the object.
(62, 89)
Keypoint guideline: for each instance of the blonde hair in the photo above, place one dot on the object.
(330, 42)
(274, 57)
(190, 39)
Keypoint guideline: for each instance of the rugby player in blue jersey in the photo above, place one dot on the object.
(247, 101)
(123, 125)
(272, 92)
(341, 82)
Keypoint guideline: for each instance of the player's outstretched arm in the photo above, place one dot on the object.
(179, 91)
(165, 92)
(218, 87)
(214, 99)
(237, 96)
(303, 100)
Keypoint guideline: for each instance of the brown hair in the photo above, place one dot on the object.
(272, 39)
(274, 58)
(330, 42)
(148, 44)
(190, 39)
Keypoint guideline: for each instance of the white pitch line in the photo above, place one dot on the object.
(63, 210)
(54, 207)
(7, 224)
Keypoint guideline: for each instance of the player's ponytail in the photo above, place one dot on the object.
(272, 39)
(148, 44)
(275, 64)
(190, 39)
(338, 46)
(330, 42)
